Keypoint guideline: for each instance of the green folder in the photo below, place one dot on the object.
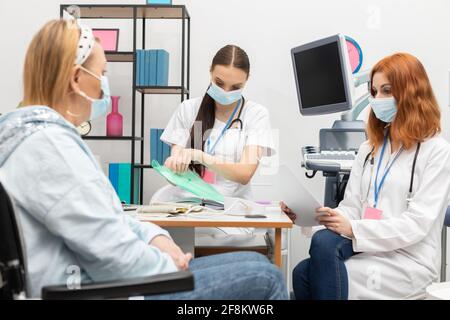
(190, 181)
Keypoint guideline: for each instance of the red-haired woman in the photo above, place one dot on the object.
(383, 240)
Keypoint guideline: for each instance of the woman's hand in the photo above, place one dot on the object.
(335, 221)
(180, 161)
(288, 211)
(165, 244)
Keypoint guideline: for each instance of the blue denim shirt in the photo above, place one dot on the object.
(73, 224)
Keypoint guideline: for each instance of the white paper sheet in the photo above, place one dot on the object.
(297, 197)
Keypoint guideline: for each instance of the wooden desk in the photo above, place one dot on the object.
(278, 221)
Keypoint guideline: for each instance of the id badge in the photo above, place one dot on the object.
(209, 176)
(373, 213)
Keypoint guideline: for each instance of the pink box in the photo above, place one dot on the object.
(109, 38)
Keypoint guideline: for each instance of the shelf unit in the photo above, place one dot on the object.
(142, 14)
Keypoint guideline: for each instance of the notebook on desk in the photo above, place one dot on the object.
(202, 202)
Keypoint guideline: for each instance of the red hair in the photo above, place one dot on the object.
(418, 115)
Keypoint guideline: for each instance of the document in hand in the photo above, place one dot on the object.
(297, 197)
(190, 181)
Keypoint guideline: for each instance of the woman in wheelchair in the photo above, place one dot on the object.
(71, 216)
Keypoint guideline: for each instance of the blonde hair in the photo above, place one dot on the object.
(49, 63)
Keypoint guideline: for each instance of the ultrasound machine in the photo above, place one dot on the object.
(326, 84)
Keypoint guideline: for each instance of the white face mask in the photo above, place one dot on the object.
(385, 109)
(99, 107)
(223, 97)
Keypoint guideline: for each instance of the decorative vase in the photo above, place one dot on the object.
(114, 120)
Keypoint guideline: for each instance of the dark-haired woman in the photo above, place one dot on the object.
(223, 133)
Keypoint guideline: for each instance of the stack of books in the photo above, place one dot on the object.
(120, 177)
(152, 68)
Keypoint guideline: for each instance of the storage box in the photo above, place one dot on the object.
(109, 38)
(159, 1)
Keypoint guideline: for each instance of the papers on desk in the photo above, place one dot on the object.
(183, 210)
(168, 207)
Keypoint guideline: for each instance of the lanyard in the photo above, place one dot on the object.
(209, 149)
(377, 187)
(371, 173)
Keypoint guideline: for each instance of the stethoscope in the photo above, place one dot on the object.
(231, 124)
(411, 181)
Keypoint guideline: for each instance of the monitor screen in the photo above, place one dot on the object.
(341, 140)
(322, 76)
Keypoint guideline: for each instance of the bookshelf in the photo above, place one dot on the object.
(141, 14)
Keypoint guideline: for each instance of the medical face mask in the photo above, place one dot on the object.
(223, 97)
(99, 107)
(385, 109)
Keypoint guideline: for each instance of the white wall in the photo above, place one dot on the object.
(267, 30)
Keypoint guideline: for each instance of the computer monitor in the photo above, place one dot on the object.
(323, 76)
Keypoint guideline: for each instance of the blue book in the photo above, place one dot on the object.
(145, 68)
(153, 67)
(138, 73)
(160, 147)
(163, 68)
(141, 67)
(138, 68)
(114, 176)
(124, 182)
(153, 144)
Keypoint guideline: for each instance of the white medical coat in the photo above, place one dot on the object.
(400, 254)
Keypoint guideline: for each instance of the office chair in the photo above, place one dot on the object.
(444, 245)
(13, 280)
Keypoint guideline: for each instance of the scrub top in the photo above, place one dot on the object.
(256, 131)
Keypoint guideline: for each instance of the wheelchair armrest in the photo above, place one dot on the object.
(447, 217)
(158, 284)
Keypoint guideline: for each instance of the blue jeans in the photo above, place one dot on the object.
(233, 276)
(324, 276)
